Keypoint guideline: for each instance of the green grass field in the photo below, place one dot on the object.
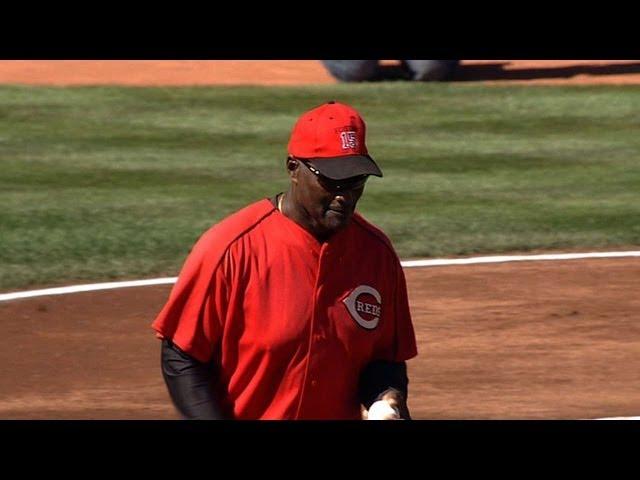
(118, 183)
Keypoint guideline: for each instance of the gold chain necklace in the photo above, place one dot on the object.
(280, 202)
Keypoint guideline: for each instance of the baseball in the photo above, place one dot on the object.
(382, 410)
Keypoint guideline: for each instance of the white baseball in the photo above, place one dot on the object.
(382, 410)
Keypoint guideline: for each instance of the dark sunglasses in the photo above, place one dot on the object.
(351, 183)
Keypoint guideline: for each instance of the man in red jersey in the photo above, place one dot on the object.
(294, 307)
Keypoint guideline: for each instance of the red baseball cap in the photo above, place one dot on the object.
(332, 138)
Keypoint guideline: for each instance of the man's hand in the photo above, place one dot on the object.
(390, 405)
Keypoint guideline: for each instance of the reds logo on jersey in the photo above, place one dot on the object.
(364, 304)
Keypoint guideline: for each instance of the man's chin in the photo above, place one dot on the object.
(335, 220)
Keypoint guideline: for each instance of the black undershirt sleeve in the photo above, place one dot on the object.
(380, 376)
(190, 384)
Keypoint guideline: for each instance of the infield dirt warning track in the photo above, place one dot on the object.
(298, 72)
(533, 340)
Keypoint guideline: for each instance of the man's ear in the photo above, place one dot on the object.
(293, 167)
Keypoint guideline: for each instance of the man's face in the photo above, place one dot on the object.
(328, 205)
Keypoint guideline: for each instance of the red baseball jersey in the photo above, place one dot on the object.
(289, 321)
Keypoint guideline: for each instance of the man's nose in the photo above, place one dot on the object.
(344, 197)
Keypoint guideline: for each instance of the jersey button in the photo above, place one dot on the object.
(314, 383)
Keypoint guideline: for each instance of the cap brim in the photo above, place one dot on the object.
(339, 168)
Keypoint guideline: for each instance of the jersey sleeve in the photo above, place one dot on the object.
(404, 344)
(193, 318)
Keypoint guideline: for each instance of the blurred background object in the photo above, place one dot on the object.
(372, 70)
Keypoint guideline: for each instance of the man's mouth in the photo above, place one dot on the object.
(337, 211)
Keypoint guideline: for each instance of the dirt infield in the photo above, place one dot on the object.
(533, 340)
(298, 72)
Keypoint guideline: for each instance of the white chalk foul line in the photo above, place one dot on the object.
(619, 418)
(515, 258)
(436, 262)
(86, 288)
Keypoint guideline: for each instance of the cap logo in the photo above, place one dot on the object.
(349, 140)
(364, 304)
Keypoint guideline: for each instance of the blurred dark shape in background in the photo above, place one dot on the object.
(373, 70)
